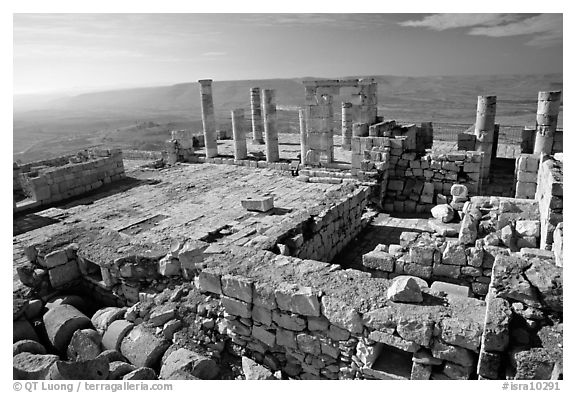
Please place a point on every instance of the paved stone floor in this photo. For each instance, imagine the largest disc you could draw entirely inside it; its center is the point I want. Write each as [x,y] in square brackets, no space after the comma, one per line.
[187,200]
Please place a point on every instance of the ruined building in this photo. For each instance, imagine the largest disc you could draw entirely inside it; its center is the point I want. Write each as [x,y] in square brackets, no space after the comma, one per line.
[364,255]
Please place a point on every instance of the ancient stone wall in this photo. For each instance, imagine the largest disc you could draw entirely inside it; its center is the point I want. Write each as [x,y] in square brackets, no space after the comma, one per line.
[526,175]
[549,194]
[34,166]
[53,184]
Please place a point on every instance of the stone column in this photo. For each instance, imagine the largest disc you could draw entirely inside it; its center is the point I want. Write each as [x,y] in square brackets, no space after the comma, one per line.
[270,131]
[303,136]
[484,130]
[208,119]
[546,120]
[240,150]
[257,125]
[346,126]
[327,127]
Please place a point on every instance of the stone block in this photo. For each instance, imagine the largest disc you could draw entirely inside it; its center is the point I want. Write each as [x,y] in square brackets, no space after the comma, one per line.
[262,315]
[61,322]
[341,314]
[185,364]
[527,228]
[236,307]
[378,260]
[286,338]
[288,321]
[84,345]
[454,254]
[394,341]
[27,366]
[451,289]
[64,274]
[237,287]
[404,289]
[263,296]
[318,323]
[414,269]
[142,347]
[267,337]
[489,364]
[453,354]
[209,281]
[308,344]
[55,258]
[496,325]
[297,299]
[259,204]
[420,372]
[450,271]
[418,329]
[460,332]
[422,255]
[443,212]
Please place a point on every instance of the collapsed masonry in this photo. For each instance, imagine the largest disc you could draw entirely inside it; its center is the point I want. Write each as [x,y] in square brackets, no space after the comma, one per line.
[478,296]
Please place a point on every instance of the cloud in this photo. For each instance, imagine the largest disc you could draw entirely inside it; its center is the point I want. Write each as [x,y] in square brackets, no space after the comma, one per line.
[545,29]
[451,21]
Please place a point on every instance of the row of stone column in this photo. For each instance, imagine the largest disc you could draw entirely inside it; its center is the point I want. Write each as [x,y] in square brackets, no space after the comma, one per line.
[263,117]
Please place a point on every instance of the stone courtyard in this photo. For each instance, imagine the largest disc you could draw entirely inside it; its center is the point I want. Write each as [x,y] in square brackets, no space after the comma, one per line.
[363,251]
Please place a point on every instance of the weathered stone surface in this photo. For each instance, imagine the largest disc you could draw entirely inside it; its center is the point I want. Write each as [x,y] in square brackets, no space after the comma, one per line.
[65,274]
[111,356]
[526,228]
[255,371]
[444,213]
[94,369]
[169,266]
[115,334]
[318,323]
[209,281]
[368,353]
[185,364]
[456,371]
[489,364]
[259,204]
[265,336]
[140,374]
[468,230]
[237,287]
[424,356]
[394,341]
[171,327]
[29,346]
[338,334]
[286,338]
[497,319]
[463,333]
[118,369]
[105,316]
[405,289]
[297,299]
[454,254]
[509,281]
[308,344]
[84,345]
[418,329]
[421,372]
[443,229]
[451,353]
[548,280]
[143,348]
[263,296]
[451,289]
[61,322]
[558,244]
[414,269]
[287,321]
[341,314]
[28,365]
[534,363]
[378,260]
[161,315]
[422,255]
[441,270]
[236,307]
[459,190]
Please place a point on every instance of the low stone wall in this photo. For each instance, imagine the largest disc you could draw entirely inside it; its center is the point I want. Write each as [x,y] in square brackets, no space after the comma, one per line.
[526,175]
[314,322]
[54,184]
[549,194]
[523,328]
[18,169]
[141,155]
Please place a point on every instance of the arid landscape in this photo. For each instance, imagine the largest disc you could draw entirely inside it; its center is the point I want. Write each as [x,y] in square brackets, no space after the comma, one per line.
[142,118]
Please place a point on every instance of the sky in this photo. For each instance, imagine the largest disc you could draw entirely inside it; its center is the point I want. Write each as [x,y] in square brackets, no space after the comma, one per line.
[68,52]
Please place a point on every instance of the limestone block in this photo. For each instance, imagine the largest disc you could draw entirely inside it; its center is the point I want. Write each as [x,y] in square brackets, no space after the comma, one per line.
[288,321]
[489,364]
[378,260]
[61,322]
[142,347]
[496,334]
[451,271]
[308,344]
[454,254]
[267,337]
[417,270]
[55,258]
[64,274]
[444,213]
[468,230]
[452,353]
[424,356]
[209,281]
[459,190]
[451,289]
[527,228]
[115,333]
[463,333]
[394,341]
[338,334]
[260,204]
[297,299]
[255,371]
[27,366]
[368,353]
[420,372]
[548,280]
[286,338]
[185,364]
[417,329]
[558,244]
[94,369]
[404,289]
[102,318]
[169,266]
[237,287]
[28,346]
[118,369]
[84,345]
[262,315]
[422,255]
[508,280]
[236,307]
[140,374]
[318,323]
[341,314]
